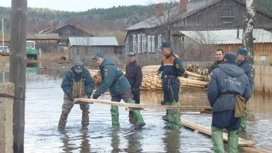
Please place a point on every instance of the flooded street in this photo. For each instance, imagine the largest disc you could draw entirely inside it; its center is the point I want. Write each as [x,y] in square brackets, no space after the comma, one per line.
[44,99]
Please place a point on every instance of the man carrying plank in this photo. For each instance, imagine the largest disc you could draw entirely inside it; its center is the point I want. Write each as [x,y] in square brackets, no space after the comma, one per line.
[119,87]
[228,82]
[170,69]
[77,83]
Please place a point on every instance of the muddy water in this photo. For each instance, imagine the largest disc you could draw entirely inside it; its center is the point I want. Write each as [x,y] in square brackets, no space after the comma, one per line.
[43,107]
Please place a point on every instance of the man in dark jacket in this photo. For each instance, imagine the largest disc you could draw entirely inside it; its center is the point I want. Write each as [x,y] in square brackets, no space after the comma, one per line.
[134,75]
[171,68]
[219,59]
[119,87]
[227,81]
[246,66]
[77,83]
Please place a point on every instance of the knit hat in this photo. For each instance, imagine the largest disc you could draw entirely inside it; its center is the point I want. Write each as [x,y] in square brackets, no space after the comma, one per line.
[230,57]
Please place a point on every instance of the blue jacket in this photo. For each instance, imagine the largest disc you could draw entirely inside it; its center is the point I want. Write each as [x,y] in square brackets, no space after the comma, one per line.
[246,66]
[70,76]
[227,80]
[171,65]
[112,78]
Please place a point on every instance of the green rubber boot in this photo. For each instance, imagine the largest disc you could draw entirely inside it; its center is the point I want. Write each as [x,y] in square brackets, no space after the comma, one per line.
[244,121]
[233,141]
[115,116]
[139,120]
[173,117]
[217,137]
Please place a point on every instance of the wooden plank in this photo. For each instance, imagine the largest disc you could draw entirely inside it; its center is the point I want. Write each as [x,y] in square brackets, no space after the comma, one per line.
[107,102]
[207,131]
[250,150]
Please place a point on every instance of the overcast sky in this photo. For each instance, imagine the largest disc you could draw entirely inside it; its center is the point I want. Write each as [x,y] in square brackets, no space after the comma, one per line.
[77,5]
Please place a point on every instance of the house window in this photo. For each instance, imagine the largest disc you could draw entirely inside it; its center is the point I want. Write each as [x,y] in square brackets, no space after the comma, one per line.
[139,45]
[143,43]
[159,41]
[134,43]
[227,16]
[153,44]
[149,43]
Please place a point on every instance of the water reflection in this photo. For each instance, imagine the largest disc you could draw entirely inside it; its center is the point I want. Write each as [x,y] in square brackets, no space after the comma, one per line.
[69,142]
[172,141]
[115,141]
[32,68]
[4,77]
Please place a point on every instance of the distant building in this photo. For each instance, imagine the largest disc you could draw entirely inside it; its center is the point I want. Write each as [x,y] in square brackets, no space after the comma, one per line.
[66,31]
[46,42]
[85,47]
[145,37]
[228,40]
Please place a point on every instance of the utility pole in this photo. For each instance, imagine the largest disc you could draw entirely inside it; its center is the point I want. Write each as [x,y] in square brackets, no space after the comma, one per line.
[18,70]
[3,36]
[247,39]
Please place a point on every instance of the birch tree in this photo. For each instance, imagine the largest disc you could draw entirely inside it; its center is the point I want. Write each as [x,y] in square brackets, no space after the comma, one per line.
[247,39]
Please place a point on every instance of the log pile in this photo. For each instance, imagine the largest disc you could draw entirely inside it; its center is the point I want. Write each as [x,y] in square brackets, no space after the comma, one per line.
[192,79]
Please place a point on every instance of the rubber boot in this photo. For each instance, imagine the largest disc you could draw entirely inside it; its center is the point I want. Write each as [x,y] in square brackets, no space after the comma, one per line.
[115,117]
[233,141]
[85,119]
[139,120]
[173,117]
[62,121]
[244,121]
[165,118]
[132,118]
[217,137]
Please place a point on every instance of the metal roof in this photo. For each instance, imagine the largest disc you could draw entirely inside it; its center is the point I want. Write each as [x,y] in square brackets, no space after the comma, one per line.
[173,13]
[93,41]
[227,36]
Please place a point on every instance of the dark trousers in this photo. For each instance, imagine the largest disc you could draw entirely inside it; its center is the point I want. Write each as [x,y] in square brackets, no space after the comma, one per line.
[170,89]
[136,96]
[126,96]
[226,119]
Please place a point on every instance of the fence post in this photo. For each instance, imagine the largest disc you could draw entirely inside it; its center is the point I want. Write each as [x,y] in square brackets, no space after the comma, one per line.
[6,117]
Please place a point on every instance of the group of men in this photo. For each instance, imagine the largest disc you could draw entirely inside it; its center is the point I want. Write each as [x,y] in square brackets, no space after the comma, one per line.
[78,83]
[231,75]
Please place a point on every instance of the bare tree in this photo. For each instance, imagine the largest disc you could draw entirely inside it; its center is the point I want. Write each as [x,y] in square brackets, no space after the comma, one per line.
[247,39]
[167,12]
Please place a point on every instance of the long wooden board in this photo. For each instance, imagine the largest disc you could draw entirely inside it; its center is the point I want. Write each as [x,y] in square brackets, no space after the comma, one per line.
[107,102]
[208,131]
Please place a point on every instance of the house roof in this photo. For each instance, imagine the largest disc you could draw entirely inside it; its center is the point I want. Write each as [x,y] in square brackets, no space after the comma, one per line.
[93,41]
[192,8]
[48,36]
[155,21]
[227,36]
[53,30]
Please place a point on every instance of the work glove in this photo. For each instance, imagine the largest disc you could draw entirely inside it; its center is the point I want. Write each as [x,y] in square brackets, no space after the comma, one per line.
[95,96]
[71,97]
[89,96]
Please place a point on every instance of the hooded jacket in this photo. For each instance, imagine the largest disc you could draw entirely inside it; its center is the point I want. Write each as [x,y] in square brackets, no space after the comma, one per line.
[112,79]
[227,81]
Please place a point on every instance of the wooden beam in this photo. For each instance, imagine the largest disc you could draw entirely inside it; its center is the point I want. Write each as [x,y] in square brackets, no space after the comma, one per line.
[17,70]
[207,131]
[107,102]
[250,150]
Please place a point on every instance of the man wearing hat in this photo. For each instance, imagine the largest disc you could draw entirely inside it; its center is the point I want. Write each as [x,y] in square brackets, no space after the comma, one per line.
[134,75]
[119,87]
[246,66]
[170,69]
[227,81]
[77,83]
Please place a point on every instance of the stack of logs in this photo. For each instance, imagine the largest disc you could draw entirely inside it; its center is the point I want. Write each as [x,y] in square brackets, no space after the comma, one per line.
[152,81]
[190,80]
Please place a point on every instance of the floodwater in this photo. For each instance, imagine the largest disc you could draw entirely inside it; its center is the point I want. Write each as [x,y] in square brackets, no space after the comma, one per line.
[44,99]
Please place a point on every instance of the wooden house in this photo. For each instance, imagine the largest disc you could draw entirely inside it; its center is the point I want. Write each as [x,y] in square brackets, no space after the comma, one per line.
[145,37]
[46,42]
